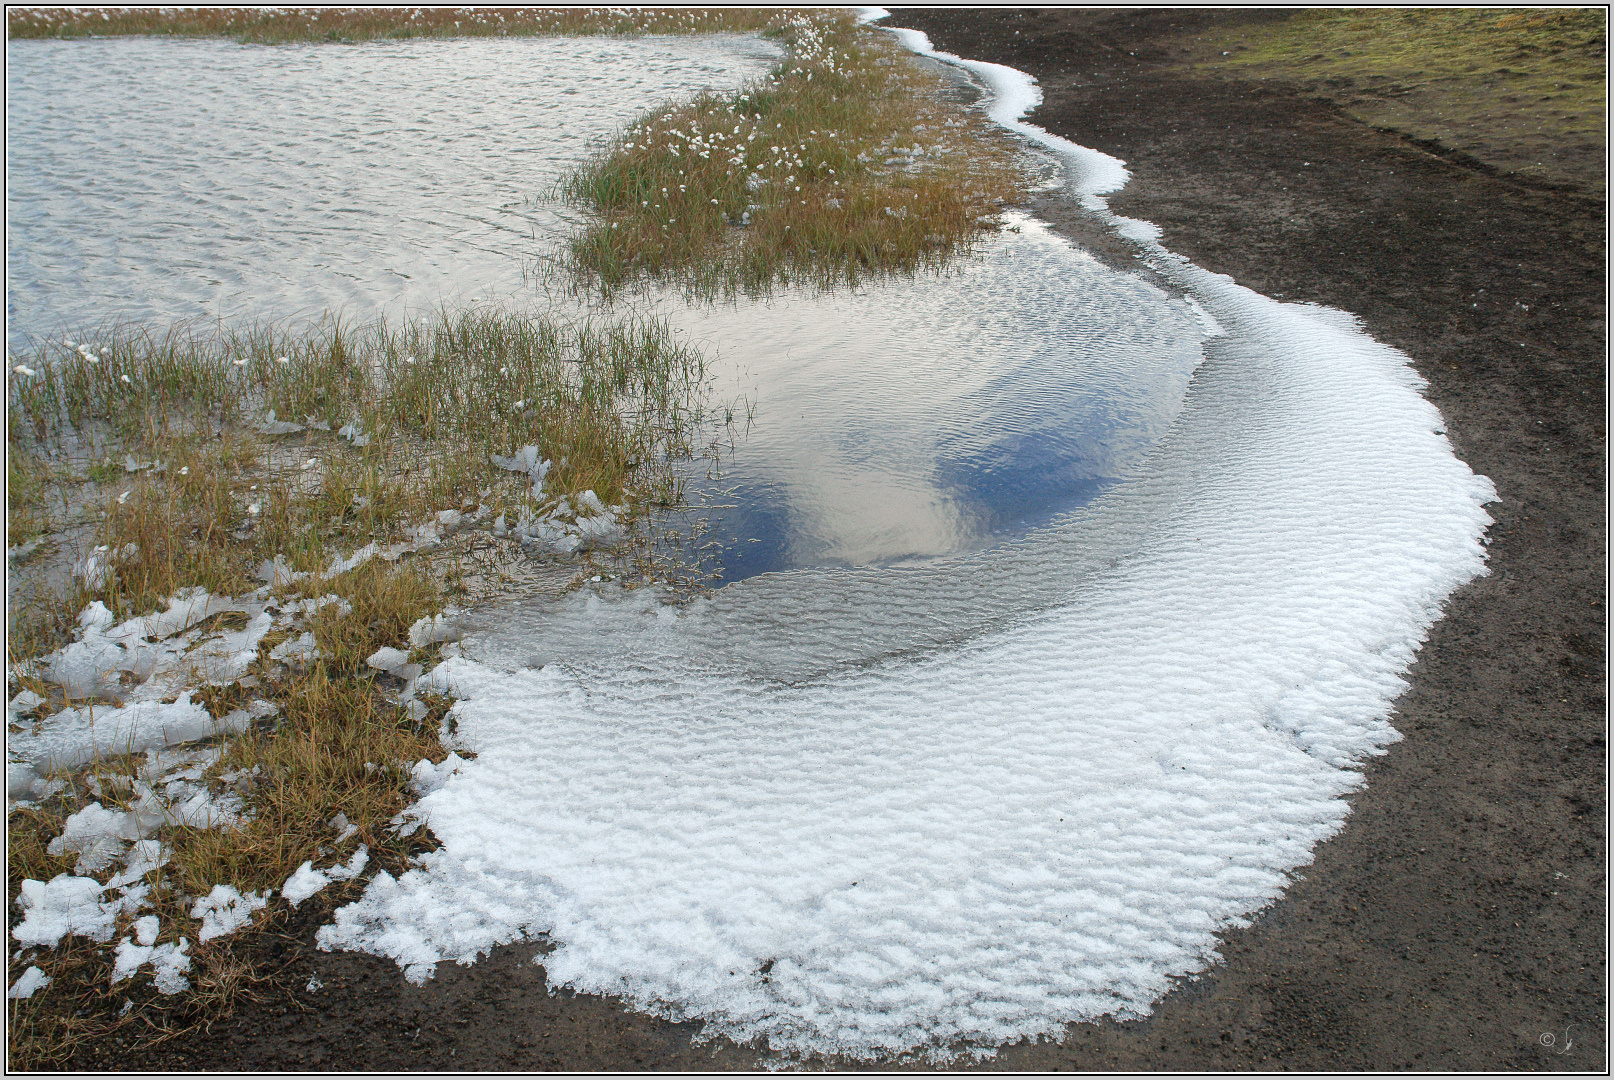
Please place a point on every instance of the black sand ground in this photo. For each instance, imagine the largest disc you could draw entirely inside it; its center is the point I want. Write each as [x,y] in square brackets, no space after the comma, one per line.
[1458,920]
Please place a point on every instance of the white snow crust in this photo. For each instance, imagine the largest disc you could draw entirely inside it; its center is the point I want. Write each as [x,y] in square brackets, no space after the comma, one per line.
[305,881]
[70,905]
[169,961]
[74,737]
[226,910]
[28,982]
[1010,791]
[946,807]
[1088,172]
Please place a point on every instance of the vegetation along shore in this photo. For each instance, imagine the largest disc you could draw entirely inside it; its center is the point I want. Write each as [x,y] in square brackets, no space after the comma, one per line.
[259,536]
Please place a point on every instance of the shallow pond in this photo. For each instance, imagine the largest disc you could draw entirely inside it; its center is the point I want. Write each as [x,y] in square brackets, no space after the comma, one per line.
[156,181]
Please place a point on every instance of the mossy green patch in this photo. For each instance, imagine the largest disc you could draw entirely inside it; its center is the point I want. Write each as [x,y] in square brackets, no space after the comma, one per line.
[1520,89]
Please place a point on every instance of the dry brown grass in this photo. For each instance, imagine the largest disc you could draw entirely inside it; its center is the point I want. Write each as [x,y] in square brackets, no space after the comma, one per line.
[341,745]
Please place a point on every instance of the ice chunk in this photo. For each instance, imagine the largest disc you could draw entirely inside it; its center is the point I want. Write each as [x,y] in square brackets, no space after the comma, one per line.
[388,659]
[307,881]
[224,658]
[144,857]
[301,649]
[29,982]
[20,778]
[96,834]
[526,460]
[357,559]
[195,807]
[25,702]
[277,573]
[353,867]
[225,910]
[74,737]
[302,884]
[271,426]
[64,905]
[354,433]
[434,628]
[343,827]
[169,960]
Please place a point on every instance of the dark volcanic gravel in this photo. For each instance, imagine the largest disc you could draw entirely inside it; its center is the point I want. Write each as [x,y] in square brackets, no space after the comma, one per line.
[1458,920]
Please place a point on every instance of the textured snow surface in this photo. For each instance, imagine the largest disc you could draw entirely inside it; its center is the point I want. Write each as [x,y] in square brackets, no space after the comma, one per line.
[872,811]
[69,905]
[74,737]
[226,910]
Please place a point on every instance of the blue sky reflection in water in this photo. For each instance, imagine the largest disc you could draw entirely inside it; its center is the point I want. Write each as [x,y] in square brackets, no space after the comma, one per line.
[922,418]
[153,181]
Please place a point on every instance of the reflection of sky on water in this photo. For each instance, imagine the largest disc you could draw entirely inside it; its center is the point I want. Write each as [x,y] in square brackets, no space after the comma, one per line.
[922,418]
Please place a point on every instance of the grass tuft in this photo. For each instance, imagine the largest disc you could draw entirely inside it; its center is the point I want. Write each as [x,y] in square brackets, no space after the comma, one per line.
[843,164]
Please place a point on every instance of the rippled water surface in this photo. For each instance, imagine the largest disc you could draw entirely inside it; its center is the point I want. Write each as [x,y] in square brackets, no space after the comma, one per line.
[158,180]
[151,179]
[920,418]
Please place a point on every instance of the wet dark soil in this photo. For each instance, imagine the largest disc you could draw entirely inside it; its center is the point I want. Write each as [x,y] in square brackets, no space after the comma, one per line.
[1458,920]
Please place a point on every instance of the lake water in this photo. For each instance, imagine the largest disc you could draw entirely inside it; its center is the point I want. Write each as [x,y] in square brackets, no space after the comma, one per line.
[153,181]
[161,180]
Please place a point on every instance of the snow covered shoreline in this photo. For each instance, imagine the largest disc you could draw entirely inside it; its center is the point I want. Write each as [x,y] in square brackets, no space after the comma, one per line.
[1038,822]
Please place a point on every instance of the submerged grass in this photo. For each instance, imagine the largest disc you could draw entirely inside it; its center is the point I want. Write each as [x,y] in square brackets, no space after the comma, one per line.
[400,420]
[274,26]
[175,457]
[844,163]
